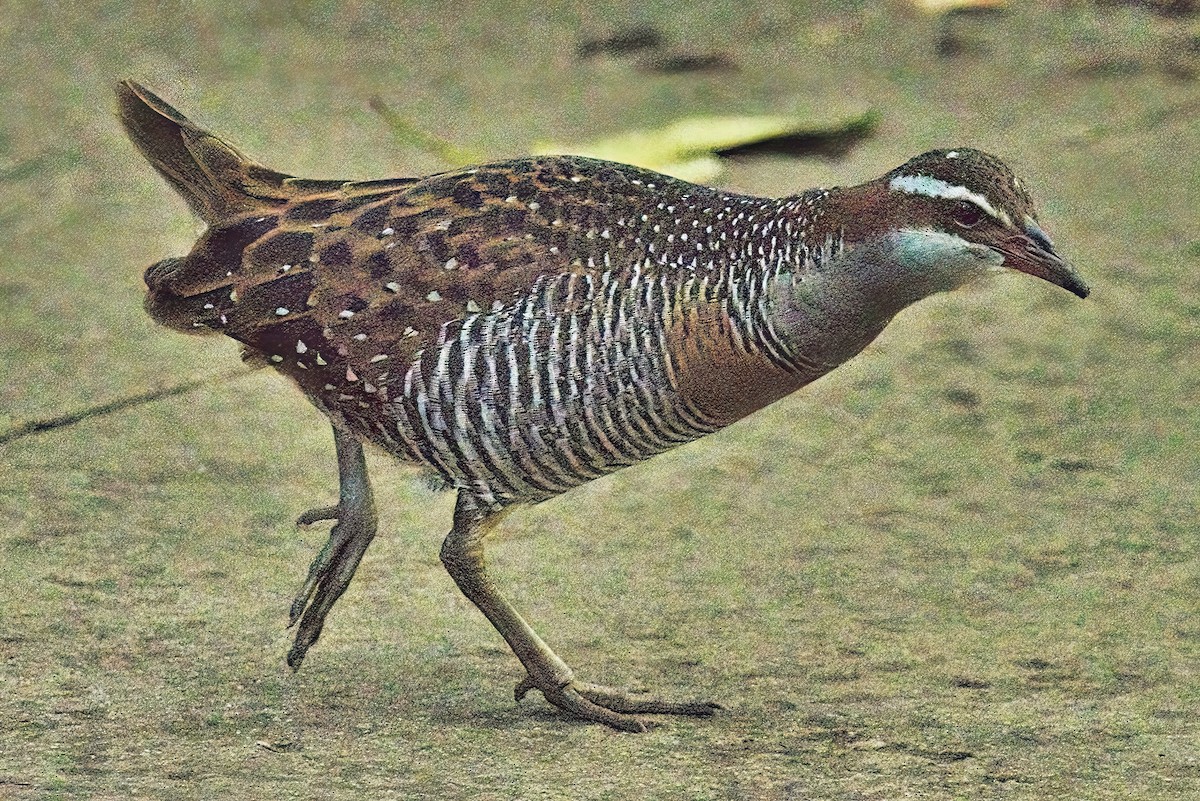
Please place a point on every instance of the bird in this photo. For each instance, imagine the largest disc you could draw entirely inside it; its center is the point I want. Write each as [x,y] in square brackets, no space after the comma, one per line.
[520,328]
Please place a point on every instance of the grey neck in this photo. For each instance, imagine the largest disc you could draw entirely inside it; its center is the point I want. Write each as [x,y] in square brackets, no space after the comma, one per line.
[831,311]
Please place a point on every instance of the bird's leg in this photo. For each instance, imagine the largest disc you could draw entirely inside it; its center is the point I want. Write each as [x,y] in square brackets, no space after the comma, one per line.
[334,566]
[462,554]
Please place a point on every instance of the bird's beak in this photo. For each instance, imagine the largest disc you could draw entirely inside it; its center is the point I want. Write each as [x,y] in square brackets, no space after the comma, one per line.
[1033,253]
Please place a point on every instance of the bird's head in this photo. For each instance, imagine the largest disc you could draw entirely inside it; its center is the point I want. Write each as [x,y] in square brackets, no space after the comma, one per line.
[956,215]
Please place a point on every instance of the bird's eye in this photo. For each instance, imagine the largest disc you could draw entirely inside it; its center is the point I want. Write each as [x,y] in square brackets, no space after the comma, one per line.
[967,214]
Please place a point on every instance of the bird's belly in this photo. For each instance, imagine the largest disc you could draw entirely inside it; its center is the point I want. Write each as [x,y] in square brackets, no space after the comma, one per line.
[520,423]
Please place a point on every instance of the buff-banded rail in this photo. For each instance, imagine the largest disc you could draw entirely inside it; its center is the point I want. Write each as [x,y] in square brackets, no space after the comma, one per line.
[521,328]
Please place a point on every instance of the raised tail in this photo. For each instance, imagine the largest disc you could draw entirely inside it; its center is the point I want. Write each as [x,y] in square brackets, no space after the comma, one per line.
[216,180]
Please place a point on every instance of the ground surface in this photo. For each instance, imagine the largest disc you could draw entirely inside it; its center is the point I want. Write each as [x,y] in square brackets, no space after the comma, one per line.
[964,566]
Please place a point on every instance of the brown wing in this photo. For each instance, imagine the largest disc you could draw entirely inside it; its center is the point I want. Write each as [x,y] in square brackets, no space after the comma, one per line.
[342,285]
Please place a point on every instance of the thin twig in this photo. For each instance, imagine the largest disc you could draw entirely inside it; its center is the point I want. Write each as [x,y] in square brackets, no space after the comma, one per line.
[120,404]
[413,136]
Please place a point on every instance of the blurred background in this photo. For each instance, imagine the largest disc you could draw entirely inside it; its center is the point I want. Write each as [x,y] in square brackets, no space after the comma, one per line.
[964,565]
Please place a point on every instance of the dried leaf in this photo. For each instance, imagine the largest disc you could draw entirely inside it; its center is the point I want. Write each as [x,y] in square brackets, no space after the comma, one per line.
[690,148]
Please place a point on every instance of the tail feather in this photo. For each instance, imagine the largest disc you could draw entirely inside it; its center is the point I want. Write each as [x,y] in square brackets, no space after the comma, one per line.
[218,284]
[216,180]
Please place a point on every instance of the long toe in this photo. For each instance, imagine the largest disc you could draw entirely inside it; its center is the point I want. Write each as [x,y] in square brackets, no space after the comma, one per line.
[333,569]
[320,564]
[614,707]
[639,704]
[568,699]
[318,514]
[326,559]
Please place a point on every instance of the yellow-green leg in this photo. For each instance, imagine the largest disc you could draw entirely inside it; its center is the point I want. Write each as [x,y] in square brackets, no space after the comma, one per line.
[462,554]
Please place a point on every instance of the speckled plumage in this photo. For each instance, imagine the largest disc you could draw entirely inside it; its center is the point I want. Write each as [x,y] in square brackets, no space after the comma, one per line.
[522,328]
[372,296]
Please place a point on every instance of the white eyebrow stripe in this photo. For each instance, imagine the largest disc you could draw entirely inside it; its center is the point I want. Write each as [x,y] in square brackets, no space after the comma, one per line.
[935,187]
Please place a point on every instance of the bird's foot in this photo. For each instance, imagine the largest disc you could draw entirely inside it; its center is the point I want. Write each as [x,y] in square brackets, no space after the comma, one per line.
[611,706]
[329,573]
[321,562]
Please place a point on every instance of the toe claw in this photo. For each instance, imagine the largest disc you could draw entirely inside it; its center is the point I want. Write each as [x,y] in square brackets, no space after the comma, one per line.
[295,657]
